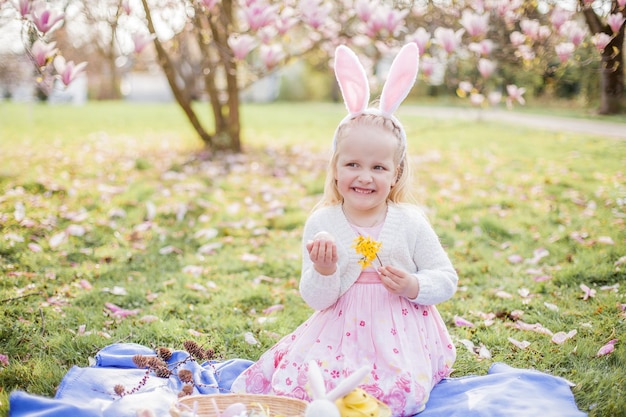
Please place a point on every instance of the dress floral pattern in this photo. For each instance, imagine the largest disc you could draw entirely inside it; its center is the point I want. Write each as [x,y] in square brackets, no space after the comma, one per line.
[406,344]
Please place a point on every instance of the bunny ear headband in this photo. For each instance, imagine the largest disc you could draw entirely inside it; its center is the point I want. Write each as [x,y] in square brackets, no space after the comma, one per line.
[355,87]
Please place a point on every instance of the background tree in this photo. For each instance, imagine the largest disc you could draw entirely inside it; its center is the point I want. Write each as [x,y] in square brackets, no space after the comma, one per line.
[215,48]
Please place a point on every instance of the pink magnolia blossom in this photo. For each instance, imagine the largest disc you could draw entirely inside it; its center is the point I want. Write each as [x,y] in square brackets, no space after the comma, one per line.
[615,21]
[394,19]
[608,348]
[24,7]
[271,55]
[141,40]
[564,50]
[486,67]
[427,66]
[475,24]
[530,28]
[544,32]
[285,21]
[126,6]
[621,3]
[559,17]
[574,32]
[43,52]
[259,14]
[600,41]
[482,48]
[45,18]
[267,34]
[364,9]
[515,93]
[315,12]
[375,24]
[448,39]
[241,45]
[517,38]
[421,37]
[589,293]
[68,71]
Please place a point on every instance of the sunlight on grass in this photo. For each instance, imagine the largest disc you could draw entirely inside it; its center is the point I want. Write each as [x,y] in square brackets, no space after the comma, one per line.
[114,202]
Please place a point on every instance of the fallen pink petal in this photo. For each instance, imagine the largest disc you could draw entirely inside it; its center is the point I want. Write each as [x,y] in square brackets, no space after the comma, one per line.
[607,349]
[537,328]
[521,345]
[561,337]
[461,322]
[515,259]
[589,293]
[277,307]
[4,359]
[119,311]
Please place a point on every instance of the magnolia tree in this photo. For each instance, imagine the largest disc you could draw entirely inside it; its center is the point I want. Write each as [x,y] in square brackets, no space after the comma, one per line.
[235,42]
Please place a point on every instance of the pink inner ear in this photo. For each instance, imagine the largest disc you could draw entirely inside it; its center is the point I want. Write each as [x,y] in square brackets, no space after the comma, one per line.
[352,80]
[401,78]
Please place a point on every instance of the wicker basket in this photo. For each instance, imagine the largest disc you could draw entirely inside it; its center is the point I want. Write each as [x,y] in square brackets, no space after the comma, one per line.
[278,406]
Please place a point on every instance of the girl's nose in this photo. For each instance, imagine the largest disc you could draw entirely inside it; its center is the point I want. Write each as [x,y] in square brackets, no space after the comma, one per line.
[365,176]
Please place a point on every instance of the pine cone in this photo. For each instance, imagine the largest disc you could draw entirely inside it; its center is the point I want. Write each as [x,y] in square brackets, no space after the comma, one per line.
[209,354]
[141,361]
[185,376]
[187,390]
[194,349]
[164,353]
[155,363]
[162,372]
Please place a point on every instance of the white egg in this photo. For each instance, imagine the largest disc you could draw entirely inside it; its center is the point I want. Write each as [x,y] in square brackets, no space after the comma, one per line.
[324,236]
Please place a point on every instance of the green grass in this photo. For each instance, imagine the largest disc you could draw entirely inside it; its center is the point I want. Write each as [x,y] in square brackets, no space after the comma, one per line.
[135,179]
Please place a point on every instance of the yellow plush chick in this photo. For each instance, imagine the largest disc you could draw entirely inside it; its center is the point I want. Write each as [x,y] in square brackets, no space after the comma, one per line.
[359,403]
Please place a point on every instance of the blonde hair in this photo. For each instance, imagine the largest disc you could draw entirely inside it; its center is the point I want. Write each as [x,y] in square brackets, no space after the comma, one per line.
[400,192]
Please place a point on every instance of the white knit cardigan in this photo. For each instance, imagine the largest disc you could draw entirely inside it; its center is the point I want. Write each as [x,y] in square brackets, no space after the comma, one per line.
[408,242]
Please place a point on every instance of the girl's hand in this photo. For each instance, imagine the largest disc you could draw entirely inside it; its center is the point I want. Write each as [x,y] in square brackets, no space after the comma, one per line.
[399,282]
[323,253]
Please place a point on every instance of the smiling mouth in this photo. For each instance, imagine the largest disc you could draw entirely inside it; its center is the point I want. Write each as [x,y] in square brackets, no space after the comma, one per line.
[362,190]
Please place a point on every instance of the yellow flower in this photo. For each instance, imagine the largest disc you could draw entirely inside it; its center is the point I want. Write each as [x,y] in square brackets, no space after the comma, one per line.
[368,248]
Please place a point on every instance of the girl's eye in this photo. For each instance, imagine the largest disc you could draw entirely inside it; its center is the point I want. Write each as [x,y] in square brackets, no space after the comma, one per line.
[352,164]
[379,167]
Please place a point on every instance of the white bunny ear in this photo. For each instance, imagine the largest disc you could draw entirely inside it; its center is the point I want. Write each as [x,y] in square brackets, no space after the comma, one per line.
[401,78]
[316,381]
[352,80]
[349,383]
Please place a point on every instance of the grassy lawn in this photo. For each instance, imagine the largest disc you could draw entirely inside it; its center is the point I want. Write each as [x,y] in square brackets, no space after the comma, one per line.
[116,203]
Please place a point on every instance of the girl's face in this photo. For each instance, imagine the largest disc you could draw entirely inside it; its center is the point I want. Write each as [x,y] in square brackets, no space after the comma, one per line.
[366,168]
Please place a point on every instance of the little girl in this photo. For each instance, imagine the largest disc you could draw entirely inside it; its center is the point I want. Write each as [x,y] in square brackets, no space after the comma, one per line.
[376,310]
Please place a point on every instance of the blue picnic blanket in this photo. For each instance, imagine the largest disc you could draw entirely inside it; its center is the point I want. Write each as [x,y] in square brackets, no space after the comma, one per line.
[89,392]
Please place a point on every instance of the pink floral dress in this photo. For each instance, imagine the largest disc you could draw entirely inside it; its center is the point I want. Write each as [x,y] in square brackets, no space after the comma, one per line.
[406,344]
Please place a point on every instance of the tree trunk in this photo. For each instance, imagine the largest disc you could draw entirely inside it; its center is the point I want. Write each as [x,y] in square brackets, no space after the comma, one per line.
[183,99]
[612,69]
[227,123]
[612,76]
